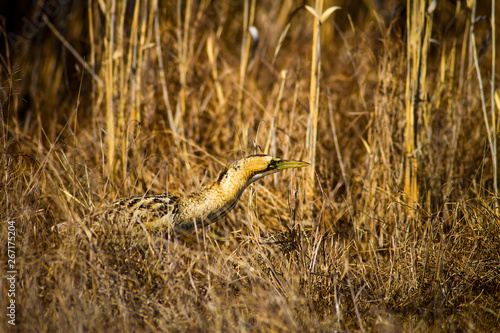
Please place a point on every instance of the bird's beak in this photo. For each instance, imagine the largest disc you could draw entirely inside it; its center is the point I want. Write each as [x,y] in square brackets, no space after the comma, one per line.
[290,164]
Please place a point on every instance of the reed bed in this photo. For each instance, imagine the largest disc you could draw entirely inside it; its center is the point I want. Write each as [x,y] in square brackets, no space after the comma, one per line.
[395,227]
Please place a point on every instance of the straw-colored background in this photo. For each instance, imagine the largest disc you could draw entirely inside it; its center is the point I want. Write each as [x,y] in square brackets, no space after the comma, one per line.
[394,228]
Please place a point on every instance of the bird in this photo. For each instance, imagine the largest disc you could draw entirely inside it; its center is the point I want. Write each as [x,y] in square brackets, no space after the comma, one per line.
[166,212]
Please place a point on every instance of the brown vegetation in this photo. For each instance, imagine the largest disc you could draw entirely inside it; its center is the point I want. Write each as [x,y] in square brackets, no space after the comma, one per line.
[396,230]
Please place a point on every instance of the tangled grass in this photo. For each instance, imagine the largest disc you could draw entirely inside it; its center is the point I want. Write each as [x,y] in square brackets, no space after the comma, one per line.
[164,94]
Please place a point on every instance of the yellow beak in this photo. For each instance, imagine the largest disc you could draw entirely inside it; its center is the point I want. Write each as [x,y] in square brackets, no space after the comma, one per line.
[290,164]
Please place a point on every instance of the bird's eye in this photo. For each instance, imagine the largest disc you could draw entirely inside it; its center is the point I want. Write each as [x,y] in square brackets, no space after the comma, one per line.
[273,164]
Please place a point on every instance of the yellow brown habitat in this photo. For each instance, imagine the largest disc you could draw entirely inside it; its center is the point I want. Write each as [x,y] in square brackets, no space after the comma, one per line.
[249,166]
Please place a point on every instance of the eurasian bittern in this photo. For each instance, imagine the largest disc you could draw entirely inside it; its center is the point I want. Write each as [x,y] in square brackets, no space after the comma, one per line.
[169,211]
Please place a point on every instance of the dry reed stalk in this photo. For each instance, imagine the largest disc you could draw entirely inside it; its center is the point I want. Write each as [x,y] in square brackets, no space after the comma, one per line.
[120,84]
[185,39]
[212,53]
[109,85]
[161,70]
[490,130]
[183,54]
[497,103]
[410,178]
[143,59]
[248,20]
[314,90]
[418,41]
[270,147]
[493,112]
[448,64]
[312,127]
[92,52]
[426,111]
[336,141]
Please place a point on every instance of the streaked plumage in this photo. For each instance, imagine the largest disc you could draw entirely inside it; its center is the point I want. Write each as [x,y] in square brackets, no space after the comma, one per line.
[169,211]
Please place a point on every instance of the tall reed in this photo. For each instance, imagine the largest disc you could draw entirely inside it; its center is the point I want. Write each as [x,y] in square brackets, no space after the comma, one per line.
[314,89]
[419,30]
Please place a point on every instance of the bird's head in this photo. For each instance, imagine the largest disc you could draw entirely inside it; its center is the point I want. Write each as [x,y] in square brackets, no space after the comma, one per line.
[255,167]
[217,199]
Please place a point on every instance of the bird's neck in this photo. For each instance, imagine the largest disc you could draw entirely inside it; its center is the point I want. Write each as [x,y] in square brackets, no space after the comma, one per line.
[233,183]
[213,201]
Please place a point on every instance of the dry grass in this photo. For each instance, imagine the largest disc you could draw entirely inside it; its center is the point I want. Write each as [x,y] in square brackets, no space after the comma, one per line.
[370,246]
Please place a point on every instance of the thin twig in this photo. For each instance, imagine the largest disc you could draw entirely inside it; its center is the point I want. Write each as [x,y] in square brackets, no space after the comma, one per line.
[72,50]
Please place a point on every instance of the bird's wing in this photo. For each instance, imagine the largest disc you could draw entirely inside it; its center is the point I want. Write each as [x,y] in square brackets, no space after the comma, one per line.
[150,210]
